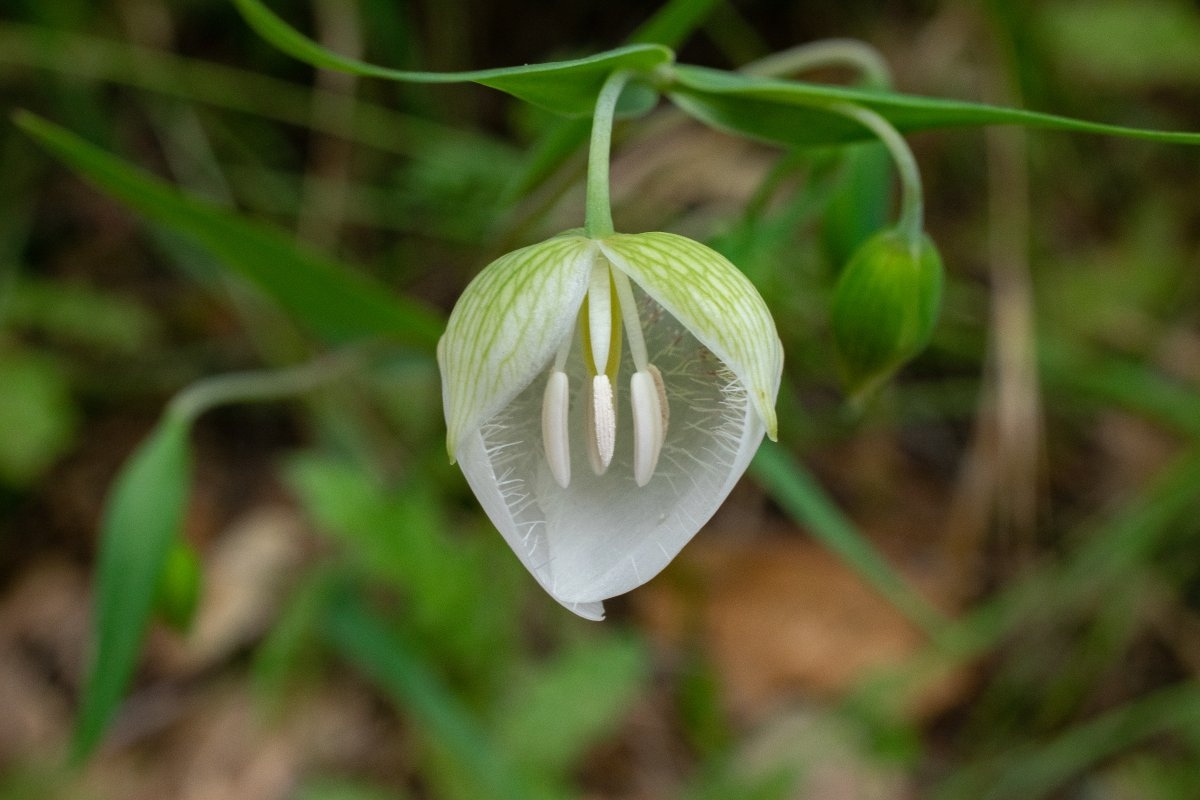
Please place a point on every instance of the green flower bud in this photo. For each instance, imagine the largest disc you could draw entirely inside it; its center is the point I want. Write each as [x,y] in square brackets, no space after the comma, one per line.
[178,592]
[884,308]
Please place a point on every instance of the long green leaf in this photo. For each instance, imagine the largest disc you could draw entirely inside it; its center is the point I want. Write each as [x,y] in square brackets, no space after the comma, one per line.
[804,500]
[1110,550]
[858,206]
[1038,768]
[92,58]
[565,87]
[143,516]
[1120,381]
[597,679]
[391,662]
[333,301]
[669,26]
[796,113]
[673,22]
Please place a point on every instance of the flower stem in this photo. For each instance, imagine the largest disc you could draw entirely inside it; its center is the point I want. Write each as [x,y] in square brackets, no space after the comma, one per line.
[259,386]
[852,53]
[912,204]
[598,218]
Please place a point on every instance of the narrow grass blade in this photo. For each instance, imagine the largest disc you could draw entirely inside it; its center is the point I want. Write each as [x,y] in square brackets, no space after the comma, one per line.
[1040,768]
[93,58]
[800,496]
[334,302]
[565,87]
[391,663]
[1111,550]
[670,25]
[860,205]
[597,679]
[796,113]
[142,518]
[1122,382]
[673,22]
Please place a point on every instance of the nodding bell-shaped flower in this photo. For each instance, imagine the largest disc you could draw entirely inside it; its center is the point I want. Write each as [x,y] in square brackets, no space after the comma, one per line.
[603,396]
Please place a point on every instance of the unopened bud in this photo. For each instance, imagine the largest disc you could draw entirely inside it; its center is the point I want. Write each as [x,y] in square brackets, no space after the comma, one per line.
[884,307]
[178,592]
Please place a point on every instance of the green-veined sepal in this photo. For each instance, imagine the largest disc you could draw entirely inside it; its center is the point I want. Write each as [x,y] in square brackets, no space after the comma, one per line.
[506,327]
[714,301]
[598,455]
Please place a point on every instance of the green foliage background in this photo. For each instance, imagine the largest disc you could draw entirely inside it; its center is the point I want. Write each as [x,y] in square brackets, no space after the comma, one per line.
[282,213]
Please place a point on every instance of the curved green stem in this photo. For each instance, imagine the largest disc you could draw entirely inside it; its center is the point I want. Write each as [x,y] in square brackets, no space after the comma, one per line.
[858,55]
[258,386]
[912,204]
[598,219]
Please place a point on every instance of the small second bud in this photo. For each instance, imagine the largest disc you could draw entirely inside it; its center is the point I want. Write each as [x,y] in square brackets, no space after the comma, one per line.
[885,307]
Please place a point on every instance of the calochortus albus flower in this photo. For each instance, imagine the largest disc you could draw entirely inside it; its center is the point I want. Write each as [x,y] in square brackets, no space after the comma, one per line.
[603,395]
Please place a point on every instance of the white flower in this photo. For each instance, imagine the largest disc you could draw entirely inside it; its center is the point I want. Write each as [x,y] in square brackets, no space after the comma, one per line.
[597,480]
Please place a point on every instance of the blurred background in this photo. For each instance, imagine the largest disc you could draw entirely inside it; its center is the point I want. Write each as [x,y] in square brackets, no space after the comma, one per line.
[360,630]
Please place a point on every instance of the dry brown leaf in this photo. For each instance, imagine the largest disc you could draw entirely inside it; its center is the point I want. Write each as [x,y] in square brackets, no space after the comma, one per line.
[779,617]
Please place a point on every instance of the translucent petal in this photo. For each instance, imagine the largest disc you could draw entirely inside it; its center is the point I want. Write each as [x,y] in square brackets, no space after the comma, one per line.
[604,535]
[506,327]
[504,508]
[713,300]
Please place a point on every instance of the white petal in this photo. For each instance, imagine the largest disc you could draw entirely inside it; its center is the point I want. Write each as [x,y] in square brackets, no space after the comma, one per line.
[506,327]
[714,301]
[478,467]
[604,535]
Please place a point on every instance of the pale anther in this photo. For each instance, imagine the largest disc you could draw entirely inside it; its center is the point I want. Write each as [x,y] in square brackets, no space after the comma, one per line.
[663,406]
[602,424]
[554,428]
[648,423]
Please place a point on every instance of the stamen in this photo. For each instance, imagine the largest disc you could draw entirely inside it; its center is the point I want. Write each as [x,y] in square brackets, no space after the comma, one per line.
[663,406]
[600,314]
[554,428]
[629,316]
[649,422]
[601,419]
[564,352]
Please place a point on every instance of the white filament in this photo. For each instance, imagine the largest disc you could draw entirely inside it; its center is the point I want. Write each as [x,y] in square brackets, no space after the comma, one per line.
[647,392]
[629,315]
[599,308]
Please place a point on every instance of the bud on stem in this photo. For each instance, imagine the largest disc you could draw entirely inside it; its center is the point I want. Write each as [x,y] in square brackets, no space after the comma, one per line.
[884,307]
